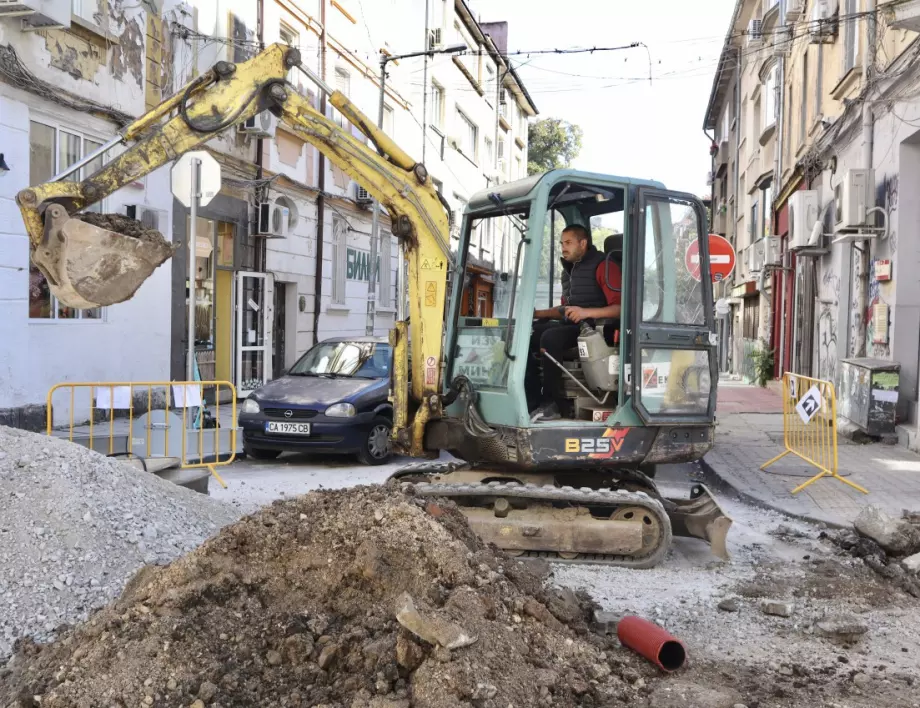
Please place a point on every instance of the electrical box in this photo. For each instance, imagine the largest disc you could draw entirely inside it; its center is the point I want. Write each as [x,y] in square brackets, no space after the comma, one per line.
[803,215]
[880,323]
[882,270]
[853,197]
[868,394]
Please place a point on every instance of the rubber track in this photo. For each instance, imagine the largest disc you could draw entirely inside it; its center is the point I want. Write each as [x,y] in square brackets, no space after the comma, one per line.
[584,496]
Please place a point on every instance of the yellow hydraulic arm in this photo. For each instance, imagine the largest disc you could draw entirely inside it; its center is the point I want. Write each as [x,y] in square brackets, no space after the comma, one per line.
[223,97]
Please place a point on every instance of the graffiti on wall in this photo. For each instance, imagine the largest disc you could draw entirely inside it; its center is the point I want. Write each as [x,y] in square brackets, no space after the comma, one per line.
[886,196]
[827,344]
[827,325]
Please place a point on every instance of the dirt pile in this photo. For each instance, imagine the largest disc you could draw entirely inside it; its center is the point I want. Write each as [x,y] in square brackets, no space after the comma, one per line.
[76,526]
[366,598]
[126,226]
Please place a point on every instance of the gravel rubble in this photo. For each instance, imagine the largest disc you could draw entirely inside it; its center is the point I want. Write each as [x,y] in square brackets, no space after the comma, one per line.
[75,526]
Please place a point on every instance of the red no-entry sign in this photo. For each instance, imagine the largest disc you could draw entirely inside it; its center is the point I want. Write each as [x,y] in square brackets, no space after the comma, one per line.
[721,258]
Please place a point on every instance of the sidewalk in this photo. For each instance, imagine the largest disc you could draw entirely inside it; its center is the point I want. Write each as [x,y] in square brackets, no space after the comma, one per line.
[749,432]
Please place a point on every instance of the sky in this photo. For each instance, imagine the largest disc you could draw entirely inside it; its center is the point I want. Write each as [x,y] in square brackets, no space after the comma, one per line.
[631,127]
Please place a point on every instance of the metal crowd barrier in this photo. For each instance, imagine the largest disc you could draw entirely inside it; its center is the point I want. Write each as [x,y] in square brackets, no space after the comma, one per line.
[195,438]
[810,427]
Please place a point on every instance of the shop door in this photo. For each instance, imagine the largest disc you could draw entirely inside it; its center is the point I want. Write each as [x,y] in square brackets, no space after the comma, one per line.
[254,320]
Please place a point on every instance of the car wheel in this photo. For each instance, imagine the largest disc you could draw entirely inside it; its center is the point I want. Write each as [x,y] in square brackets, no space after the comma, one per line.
[377,448]
[258,453]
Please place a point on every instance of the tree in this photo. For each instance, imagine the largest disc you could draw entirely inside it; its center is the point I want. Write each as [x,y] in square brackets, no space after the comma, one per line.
[552,143]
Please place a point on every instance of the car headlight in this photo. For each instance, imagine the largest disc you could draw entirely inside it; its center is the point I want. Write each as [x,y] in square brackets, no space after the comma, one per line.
[341,410]
[250,406]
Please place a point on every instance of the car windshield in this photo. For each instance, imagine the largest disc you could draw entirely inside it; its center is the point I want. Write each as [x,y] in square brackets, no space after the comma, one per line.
[362,360]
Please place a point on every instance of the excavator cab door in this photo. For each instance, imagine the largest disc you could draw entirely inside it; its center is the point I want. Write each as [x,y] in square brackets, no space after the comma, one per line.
[673,342]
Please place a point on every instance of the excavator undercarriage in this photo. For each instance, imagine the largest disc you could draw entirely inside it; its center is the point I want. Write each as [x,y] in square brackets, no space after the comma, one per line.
[626,523]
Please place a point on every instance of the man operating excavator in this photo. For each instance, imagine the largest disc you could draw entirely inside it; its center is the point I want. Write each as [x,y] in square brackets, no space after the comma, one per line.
[590,291]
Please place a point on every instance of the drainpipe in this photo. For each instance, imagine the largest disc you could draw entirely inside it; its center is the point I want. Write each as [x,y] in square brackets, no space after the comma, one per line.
[867,147]
[262,248]
[424,105]
[777,185]
[321,186]
[737,175]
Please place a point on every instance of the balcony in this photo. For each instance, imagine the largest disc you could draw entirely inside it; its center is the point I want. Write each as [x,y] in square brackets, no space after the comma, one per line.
[902,15]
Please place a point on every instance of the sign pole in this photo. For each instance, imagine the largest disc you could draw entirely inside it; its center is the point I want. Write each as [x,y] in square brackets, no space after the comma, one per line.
[193,266]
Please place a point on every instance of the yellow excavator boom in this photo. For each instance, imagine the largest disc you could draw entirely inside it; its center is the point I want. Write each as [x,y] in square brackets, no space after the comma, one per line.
[87,265]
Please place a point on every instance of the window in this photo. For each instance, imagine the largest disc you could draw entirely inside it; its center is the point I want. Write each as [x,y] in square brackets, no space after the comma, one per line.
[518,168]
[84,9]
[504,103]
[339,259]
[437,14]
[766,199]
[290,37]
[803,103]
[490,83]
[751,324]
[343,84]
[385,298]
[754,225]
[725,130]
[437,106]
[52,149]
[490,153]
[388,124]
[768,99]
[468,135]
[850,36]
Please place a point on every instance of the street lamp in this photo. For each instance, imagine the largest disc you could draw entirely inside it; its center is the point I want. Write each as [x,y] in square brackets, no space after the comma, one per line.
[375,226]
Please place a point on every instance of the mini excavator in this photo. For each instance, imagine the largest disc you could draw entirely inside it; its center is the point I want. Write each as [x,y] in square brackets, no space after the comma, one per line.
[642,389]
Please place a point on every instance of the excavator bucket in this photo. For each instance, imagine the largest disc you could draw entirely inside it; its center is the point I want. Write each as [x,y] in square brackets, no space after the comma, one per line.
[700,516]
[91,260]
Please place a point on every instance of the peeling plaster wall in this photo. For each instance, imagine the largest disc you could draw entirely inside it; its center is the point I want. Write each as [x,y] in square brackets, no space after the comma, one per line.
[101,56]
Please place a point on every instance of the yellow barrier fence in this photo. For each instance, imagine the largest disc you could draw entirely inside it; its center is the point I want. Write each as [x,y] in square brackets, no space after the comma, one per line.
[810,427]
[201,433]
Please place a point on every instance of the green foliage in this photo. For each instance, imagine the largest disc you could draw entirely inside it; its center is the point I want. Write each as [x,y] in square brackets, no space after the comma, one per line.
[763,364]
[552,143]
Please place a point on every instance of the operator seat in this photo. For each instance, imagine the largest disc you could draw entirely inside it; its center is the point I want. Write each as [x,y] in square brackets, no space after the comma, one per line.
[613,248]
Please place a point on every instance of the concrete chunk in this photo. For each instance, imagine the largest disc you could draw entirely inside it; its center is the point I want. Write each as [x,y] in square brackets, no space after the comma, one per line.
[780,608]
[912,563]
[895,536]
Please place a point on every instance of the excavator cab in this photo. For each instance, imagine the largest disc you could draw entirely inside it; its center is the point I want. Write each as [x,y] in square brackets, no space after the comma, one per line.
[640,388]
[651,369]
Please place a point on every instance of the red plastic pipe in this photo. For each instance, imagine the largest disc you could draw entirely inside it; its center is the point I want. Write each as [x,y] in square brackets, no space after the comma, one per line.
[652,642]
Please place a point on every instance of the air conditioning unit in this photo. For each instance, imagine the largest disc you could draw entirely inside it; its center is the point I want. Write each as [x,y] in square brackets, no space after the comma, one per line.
[710,178]
[434,38]
[454,220]
[273,220]
[771,252]
[261,125]
[150,218]
[794,9]
[38,14]
[755,254]
[853,196]
[824,20]
[803,214]
[755,33]
[362,196]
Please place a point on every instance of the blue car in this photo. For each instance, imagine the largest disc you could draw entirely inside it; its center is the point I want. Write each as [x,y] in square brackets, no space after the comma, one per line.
[333,400]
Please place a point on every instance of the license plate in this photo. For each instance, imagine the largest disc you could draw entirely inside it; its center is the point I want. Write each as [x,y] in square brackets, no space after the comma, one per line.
[287,428]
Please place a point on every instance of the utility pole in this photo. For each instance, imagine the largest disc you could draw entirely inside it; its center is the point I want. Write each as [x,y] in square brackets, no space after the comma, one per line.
[193,268]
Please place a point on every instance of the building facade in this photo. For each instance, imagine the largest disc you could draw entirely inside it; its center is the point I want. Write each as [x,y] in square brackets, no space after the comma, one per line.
[283,251]
[847,104]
